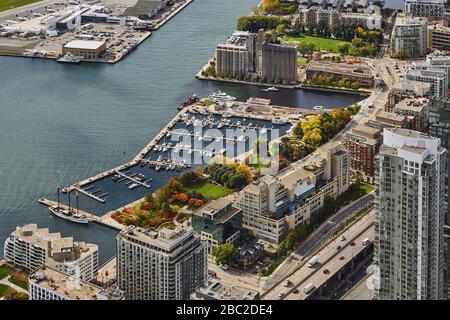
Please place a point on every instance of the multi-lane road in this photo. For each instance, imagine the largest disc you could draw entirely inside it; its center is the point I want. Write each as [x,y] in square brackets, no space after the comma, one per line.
[330,258]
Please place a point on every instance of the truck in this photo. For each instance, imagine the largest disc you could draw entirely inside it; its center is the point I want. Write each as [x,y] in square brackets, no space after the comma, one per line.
[313,261]
[309,288]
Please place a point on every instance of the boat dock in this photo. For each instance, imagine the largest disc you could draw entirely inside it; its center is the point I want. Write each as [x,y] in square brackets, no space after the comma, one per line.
[105,220]
[92,194]
[132,179]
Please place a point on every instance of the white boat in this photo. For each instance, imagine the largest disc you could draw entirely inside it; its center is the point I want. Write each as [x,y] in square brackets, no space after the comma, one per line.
[68,215]
[133,185]
[221,96]
[278,120]
[272,89]
[318,108]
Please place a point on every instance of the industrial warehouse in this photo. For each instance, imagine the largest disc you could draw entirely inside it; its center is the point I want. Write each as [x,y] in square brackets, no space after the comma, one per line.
[74,31]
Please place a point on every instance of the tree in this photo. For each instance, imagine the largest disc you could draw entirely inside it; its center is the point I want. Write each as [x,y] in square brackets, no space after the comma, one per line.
[12,294]
[225,253]
[306,48]
[343,48]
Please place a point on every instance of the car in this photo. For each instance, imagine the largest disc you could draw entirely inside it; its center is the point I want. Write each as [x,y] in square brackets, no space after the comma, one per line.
[338,247]
[281,294]
[224,267]
[326,271]
[325,231]
[287,283]
[341,258]
[295,291]
[353,243]
[343,238]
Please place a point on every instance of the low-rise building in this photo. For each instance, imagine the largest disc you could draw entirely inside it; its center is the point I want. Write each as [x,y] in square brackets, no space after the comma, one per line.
[384,119]
[49,284]
[360,73]
[437,78]
[370,21]
[416,111]
[218,222]
[216,290]
[86,49]
[31,248]
[362,144]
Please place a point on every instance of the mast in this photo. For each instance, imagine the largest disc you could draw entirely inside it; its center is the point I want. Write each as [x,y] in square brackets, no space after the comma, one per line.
[57,193]
[76,198]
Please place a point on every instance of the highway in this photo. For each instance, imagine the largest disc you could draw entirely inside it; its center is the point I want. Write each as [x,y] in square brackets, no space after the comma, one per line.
[328,259]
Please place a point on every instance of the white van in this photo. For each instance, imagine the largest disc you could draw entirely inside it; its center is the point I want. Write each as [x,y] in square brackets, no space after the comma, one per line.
[366,241]
[309,288]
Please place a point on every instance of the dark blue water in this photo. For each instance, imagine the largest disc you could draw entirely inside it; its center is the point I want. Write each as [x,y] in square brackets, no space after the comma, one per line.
[63,123]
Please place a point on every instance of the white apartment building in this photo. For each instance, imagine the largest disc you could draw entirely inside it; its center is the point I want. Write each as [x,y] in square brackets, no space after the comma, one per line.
[274,204]
[426,8]
[164,265]
[409,35]
[437,78]
[31,248]
[49,284]
[371,21]
[409,226]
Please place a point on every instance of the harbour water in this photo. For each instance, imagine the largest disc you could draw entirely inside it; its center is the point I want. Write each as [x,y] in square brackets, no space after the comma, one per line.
[62,123]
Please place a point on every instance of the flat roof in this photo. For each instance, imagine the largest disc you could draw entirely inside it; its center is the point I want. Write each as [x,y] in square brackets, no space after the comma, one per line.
[84,44]
[359,69]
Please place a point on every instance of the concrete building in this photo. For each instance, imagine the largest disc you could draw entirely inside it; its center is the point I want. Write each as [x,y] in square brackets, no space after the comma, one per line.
[371,21]
[410,88]
[409,35]
[409,226]
[438,37]
[272,205]
[49,284]
[439,118]
[314,16]
[278,63]
[426,8]
[362,144]
[163,265]
[416,111]
[360,73]
[31,248]
[216,290]
[250,56]
[86,49]
[237,56]
[218,222]
[437,78]
[385,119]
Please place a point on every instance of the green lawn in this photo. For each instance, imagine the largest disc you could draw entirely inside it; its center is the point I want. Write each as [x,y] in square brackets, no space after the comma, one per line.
[209,190]
[3,288]
[10,4]
[4,272]
[18,283]
[329,45]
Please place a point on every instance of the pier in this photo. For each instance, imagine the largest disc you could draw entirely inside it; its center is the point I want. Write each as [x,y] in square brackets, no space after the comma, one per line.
[91,194]
[105,220]
[132,179]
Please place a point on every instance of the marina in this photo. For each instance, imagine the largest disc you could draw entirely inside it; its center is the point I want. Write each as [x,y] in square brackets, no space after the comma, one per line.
[183,138]
[76,128]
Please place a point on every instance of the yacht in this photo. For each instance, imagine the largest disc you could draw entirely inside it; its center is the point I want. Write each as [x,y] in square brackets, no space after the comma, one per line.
[318,108]
[68,214]
[271,89]
[221,96]
[278,120]
[133,186]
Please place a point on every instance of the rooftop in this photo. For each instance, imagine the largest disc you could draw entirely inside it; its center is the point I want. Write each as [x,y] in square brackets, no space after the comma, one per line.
[360,69]
[64,285]
[223,291]
[84,44]
[412,104]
